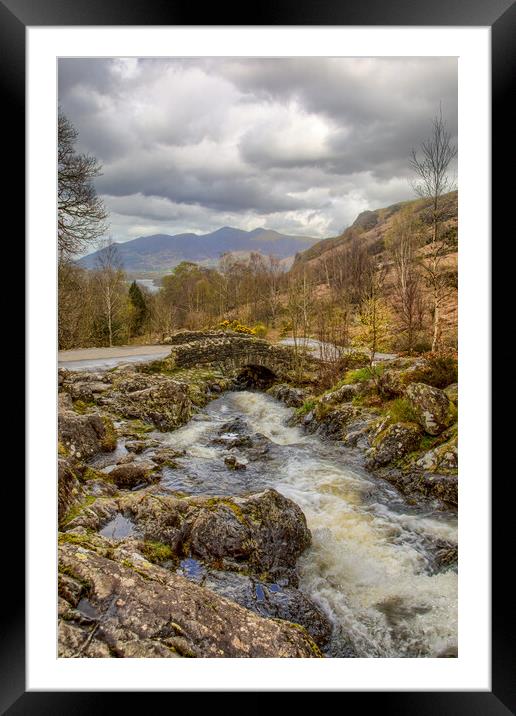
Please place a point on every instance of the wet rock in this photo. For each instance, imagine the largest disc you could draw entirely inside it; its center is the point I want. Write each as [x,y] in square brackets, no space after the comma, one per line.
[132,475]
[85,435]
[433,409]
[292,397]
[414,481]
[137,446]
[333,422]
[262,534]
[146,611]
[272,601]
[166,456]
[234,464]
[393,443]
[69,489]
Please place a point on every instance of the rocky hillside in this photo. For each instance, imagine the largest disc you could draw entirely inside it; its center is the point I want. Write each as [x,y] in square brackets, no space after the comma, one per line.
[371,226]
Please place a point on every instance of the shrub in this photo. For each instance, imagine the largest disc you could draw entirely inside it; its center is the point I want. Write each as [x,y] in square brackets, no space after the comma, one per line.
[362,375]
[260,330]
[236,326]
[440,370]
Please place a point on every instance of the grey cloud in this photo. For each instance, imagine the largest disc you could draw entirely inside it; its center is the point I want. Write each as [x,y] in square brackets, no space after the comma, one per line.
[297,144]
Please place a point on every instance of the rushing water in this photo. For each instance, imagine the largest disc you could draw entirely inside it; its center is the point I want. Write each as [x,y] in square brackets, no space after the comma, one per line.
[371,565]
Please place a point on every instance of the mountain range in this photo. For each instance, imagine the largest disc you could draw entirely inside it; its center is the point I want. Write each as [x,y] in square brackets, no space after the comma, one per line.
[161,252]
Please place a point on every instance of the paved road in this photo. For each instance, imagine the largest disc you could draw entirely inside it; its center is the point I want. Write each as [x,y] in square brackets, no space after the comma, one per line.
[102,358]
[329,350]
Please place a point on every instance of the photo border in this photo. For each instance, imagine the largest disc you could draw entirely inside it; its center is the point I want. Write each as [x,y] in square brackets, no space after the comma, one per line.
[500,15]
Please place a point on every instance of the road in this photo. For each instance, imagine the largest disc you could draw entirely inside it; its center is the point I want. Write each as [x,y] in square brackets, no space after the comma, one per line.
[103,358]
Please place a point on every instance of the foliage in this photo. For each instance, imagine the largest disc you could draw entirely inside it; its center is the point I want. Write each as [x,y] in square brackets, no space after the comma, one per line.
[307,407]
[362,375]
[238,327]
[139,306]
[439,370]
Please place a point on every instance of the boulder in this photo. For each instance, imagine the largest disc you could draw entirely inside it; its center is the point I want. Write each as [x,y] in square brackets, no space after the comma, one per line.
[344,394]
[132,474]
[292,397]
[393,443]
[124,606]
[85,435]
[262,533]
[442,459]
[433,409]
[151,398]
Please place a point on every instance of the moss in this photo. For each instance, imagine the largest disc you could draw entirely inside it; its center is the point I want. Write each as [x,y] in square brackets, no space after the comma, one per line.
[141,428]
[362,375]
[213,502]
[307,407]
[109,440]
[83,406]
[76,509]
[401,411]
[61,450]
[156,552]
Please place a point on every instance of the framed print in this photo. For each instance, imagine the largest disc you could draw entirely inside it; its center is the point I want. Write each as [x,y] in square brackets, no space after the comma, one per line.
[254,292]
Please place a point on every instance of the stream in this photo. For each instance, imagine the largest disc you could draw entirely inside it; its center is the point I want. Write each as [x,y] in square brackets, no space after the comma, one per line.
[371,567]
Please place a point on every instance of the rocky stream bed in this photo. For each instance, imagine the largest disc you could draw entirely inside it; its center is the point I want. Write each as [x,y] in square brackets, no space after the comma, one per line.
[201,518]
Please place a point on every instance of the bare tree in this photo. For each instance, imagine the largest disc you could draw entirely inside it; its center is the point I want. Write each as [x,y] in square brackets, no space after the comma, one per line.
[433,181]
[110,279]
[402,242]
[81,217]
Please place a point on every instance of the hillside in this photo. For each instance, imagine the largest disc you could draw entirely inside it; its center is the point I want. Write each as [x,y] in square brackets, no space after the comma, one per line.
[371,226]
[160,252]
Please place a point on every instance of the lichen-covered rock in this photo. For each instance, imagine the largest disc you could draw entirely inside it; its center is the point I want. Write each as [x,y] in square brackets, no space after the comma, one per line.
[393,443]
[344,394]
[452,391]
[263,533]
[417,481]
[85,435]
[292,397]
[132,608]
[69,489]
[433,409]
[132,474]
[151,398]
[442,459]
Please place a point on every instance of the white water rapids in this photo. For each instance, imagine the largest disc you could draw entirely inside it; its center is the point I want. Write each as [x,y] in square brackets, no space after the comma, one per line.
[370,564]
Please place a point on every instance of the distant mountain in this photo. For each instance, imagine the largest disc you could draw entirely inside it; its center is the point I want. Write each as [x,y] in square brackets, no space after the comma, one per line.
[160,252]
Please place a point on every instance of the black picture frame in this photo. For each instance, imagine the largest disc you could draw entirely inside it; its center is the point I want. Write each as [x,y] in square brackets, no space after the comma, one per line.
[500,15]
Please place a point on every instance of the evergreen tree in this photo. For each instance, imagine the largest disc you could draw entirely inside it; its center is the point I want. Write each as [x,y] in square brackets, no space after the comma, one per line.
[139,305]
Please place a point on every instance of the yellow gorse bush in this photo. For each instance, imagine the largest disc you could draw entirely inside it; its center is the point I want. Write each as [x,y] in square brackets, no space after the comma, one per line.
[237,327]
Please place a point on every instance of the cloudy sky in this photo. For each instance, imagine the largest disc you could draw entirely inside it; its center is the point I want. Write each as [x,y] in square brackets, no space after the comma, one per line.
[298,145]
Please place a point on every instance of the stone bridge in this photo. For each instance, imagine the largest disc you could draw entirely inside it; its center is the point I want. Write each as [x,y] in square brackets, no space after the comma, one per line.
[229,352]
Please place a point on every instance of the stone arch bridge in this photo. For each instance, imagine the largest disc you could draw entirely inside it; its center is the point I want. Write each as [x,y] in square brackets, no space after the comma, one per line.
[229,352]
